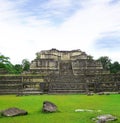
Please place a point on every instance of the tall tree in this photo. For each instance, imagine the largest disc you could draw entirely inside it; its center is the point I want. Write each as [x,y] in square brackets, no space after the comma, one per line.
[4,59]
[26,65]
[106,62]
[6,65]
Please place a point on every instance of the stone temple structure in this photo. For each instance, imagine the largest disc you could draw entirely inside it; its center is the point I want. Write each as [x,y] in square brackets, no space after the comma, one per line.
[73,62]
[62,72]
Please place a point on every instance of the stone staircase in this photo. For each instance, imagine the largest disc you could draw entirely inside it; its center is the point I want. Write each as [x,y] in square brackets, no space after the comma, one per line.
[67,84]
[30,91]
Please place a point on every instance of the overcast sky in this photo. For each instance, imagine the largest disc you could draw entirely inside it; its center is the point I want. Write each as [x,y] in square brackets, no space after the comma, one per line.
[29,26]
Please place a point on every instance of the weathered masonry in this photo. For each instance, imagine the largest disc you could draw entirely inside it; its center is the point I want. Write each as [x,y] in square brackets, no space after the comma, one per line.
[59,84]
[57,71]
[73,62]
[20,84]
[84,83]
[73,72]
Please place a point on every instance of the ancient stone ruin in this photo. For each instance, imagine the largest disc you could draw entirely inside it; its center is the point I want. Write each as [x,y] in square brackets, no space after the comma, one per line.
[73,62]
[57,71]
[66,70]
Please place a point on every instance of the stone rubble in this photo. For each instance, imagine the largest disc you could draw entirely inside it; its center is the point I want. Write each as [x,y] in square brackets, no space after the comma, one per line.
[104,118]
[49,107]
[13,112]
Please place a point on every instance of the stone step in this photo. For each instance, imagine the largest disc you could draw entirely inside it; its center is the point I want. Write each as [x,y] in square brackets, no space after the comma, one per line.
[31,92]
[67,91]
[8,92]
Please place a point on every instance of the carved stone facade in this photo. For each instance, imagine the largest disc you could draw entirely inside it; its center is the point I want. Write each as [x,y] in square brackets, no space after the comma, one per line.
[73,62]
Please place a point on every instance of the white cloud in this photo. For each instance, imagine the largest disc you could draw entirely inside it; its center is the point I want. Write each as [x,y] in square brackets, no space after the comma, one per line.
[23,34]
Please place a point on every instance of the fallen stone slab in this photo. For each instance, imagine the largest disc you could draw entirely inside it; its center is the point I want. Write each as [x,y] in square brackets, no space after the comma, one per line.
[104,118]
[13,112]
[87,110]
[83,110]
[49,107]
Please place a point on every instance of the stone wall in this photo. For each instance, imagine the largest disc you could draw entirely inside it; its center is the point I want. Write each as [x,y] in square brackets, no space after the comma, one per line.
[19,84]
[60,84]
[9,84]
[61,55]
[84,83]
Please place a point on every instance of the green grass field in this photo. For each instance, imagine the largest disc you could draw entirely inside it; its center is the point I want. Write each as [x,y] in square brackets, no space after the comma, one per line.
[67,104]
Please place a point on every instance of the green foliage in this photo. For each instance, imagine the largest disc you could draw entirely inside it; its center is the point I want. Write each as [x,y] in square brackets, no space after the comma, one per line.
[115,67]
[6,64]
[3,59]
[18,68]
[107,65]
[67,104]
[8,67]
[106,62]
[26,65]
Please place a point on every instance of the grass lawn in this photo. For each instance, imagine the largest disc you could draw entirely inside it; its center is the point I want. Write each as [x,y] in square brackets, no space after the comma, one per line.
[67,104]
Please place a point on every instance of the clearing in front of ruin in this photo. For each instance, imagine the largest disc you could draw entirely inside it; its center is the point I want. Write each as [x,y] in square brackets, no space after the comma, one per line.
[67,104]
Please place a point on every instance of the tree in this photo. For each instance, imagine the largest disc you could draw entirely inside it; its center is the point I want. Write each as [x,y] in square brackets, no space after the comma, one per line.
[26,65]
[6,65]
[106,62]
[115,67]
[4,60]
[18,68]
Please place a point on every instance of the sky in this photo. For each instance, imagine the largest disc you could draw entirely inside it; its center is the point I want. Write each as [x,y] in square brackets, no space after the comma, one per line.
[29,26]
